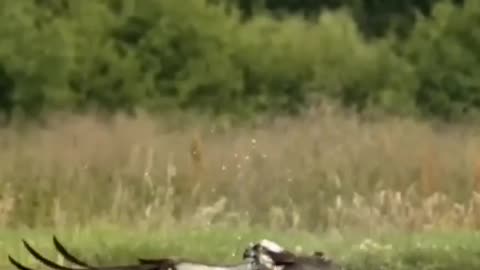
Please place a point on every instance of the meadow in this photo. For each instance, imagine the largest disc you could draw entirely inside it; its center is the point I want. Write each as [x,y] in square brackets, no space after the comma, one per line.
[103,245]
[125,187]
[375,192]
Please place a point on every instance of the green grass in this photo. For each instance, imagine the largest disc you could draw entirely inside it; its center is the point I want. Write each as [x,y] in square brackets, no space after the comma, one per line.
[113,245]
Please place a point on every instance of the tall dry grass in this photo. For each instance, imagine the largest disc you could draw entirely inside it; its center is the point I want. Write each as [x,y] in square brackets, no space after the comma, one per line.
[324,170]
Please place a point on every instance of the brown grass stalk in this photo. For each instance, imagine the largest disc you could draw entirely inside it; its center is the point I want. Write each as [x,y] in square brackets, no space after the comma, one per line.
[291,172]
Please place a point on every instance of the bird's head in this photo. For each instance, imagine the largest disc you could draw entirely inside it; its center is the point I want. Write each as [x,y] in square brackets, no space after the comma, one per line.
[268,254]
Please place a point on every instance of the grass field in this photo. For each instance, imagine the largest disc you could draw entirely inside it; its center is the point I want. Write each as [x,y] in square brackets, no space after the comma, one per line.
[106,245]
[326,180]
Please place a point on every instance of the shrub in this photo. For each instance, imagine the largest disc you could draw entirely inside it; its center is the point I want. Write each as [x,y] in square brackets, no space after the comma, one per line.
[444,53]
[164,55]
[35,58]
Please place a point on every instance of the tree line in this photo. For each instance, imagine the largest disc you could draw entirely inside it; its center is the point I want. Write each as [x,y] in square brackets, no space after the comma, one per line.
[242,57]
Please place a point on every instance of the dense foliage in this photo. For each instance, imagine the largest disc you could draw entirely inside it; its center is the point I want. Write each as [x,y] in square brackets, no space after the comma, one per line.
[207,55]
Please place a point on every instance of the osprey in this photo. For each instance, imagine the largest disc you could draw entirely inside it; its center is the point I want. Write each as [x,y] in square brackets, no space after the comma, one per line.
[143,264]
[273,256]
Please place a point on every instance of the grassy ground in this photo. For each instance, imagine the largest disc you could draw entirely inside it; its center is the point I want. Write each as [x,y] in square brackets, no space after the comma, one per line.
[110,245]
[204,189]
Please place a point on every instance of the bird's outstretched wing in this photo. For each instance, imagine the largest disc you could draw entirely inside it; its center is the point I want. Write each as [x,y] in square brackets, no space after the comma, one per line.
[144,264]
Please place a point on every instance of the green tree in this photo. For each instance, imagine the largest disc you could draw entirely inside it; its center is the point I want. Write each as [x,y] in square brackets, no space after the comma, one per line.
[35,58]
[444,52]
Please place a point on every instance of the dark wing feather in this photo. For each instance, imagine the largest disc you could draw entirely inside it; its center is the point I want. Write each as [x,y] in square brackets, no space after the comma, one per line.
[44,260]
[318,253]
[282,258]
[17,264]
[291,261]
[317,261]
[165,264]
[162,261]
[66,254]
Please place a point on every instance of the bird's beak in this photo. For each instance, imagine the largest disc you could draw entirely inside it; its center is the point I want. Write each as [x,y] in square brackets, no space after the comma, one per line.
[249,253]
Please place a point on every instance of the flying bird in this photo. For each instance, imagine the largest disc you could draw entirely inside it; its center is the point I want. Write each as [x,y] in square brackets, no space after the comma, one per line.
[142,264]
